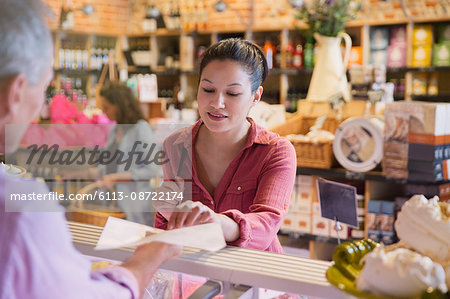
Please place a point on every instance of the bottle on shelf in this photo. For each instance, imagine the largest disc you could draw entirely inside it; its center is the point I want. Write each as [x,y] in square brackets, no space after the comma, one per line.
[289,53]
[61,58]
[308,53]
[269,53]
[85,58]
[78,57]
[297,60]
[278,56]
[69,20]
[149,23]
[68,57]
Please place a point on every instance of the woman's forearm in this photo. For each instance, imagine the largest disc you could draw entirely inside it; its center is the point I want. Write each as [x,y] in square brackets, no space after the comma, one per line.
[230,228]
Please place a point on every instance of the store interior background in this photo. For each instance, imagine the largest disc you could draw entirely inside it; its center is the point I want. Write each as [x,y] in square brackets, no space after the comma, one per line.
[116,26]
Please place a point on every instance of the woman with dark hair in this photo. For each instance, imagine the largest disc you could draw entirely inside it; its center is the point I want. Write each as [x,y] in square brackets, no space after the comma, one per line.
[131,134]
[242,175]
[119,104]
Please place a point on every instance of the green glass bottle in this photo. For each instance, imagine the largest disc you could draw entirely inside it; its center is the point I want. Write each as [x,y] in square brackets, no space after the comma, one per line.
[308,53]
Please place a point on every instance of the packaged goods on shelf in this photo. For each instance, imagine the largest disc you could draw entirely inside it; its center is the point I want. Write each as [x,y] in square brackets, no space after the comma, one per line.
[421,56]
[430,171]
[433,88]
[444,33]
[422,35]
[419,84]
[441,54]
[373,208]
[396,131]
[380,221]
[379,56]
[379,38]
[428,190]
[356,56]
[397,35]
[428,126]
[303,222]
[428,147]
[396,56]
[320,226]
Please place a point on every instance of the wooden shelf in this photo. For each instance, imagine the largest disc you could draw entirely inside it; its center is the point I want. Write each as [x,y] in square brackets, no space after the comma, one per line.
[344,174]
[430,20]
[444,97]
[79,72]
[418,69]
[77,32]
[311,237]
[292,72]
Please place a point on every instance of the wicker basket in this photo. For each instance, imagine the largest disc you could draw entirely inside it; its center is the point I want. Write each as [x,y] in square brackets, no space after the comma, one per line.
[314,155]
[92,213]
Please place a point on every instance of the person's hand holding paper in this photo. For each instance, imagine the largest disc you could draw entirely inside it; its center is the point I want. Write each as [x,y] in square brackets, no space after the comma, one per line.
[119,233]
[166,207]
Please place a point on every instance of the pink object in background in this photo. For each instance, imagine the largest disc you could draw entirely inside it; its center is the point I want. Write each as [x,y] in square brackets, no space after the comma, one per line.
[69,127]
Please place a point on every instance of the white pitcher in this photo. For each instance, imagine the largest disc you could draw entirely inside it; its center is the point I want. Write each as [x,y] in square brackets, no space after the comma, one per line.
[329,75]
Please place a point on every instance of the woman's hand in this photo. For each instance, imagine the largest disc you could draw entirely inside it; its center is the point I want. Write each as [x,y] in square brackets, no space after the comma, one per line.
[191,213]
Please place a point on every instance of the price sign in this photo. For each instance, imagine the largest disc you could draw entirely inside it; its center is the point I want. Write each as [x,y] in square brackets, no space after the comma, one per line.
[337,201]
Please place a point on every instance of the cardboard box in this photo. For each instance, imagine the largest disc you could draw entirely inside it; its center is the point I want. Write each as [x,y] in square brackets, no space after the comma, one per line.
[305,180]
[400,163]
[433,167]
[426,152]
[303,206]
[289,221]
[422,35]
[426,177]
[429,119]
[320,226]
[344,231]
[428,190]
[396,55]
[421,56]
[316,208]
[303,223]
[441,54]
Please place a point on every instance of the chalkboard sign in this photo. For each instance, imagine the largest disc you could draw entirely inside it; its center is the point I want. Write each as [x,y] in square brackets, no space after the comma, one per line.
[337,201]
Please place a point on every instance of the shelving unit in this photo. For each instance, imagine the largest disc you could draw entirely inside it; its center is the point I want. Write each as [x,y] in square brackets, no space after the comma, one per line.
[375,185]
[66,45]
[282,79]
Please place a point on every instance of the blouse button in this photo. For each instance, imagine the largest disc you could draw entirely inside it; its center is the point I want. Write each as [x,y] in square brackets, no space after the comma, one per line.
[239,188]
[212,202]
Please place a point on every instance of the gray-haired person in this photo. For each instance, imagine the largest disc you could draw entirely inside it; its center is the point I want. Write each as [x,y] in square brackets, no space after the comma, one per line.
[37,258]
